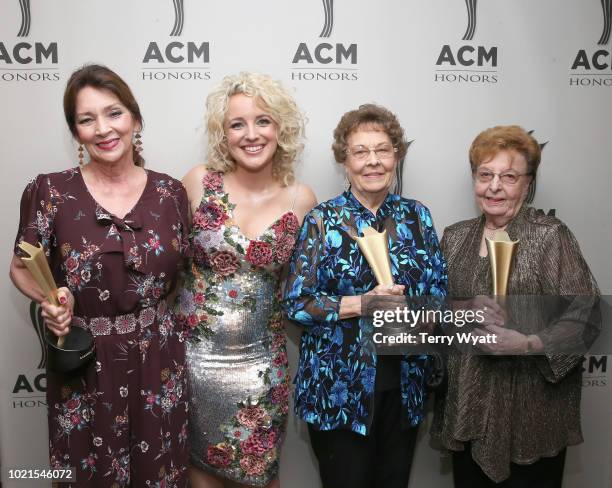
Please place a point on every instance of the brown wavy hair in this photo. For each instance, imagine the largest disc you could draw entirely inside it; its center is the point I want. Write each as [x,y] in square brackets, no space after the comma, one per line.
[369,116]
[101,78]
[505,138]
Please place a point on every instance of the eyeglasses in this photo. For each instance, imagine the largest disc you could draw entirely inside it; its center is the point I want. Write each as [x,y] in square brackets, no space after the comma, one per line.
[509,178]
[361,153]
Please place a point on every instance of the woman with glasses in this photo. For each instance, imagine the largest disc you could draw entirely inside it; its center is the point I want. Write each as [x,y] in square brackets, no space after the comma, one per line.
[508,418]
[362,410]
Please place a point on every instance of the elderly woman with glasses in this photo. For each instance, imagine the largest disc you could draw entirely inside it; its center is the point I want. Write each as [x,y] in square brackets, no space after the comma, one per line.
[362,410]
[508,418]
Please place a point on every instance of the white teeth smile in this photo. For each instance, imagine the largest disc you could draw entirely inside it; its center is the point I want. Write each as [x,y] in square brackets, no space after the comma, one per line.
[253,149]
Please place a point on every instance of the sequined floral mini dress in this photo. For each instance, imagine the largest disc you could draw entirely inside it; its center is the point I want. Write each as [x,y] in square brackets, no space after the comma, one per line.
[236,356]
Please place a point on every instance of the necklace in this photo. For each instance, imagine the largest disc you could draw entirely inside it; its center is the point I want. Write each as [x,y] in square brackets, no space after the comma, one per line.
[490,232]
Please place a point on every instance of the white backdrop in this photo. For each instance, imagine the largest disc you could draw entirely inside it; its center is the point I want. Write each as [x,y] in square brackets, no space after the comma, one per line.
[537,64]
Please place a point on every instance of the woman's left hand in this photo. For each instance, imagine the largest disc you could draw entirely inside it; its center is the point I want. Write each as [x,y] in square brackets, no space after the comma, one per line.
[507,341]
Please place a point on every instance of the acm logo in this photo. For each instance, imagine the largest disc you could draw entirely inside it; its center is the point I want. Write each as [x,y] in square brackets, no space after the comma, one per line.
[25,60]
[595,371]
[590,64]
[29,390]
[532,187]
[467,63]
[176,60]
[325,60]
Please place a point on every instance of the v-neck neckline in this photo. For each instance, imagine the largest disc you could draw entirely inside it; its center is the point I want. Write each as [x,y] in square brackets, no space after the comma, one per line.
[129,212]
[235,225]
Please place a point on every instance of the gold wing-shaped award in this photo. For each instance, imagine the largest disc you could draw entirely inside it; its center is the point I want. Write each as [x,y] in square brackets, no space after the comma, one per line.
[374,247]
[37,265]
[501,252]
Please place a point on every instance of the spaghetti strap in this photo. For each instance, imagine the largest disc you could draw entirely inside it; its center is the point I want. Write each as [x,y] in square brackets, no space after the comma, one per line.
[295,195]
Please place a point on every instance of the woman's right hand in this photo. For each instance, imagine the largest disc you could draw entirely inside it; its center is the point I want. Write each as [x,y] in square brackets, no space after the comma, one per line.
[58,318]
[387,290]
[351,306]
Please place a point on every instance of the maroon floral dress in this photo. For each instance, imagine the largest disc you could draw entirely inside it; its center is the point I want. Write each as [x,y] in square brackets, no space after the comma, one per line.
[236,357]
[122,421]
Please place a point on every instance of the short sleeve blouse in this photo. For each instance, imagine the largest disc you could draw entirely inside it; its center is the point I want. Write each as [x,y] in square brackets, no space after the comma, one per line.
[112,266]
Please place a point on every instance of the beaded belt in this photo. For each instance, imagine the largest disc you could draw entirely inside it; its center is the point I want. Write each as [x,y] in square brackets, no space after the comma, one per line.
[121,324]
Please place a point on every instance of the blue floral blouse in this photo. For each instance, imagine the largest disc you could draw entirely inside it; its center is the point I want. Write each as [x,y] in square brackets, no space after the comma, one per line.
[334,385]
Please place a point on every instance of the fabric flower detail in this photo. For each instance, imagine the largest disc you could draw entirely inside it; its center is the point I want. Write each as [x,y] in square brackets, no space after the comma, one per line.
[251,416]
[259,442]
[86,275]
[284,248]
[280,359]
[278,342]
[212,181]
[73,404]
[209,216]
[279,394]
[72,263]
[208,240]
[224,263]
[252,465]
[276,323]
[220,455]
[288,223]
[339,393]
[199,256]
[259,253]
[368,376]
[153,244]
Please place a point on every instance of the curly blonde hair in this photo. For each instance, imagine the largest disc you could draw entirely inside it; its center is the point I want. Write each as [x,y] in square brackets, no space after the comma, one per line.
[279,104]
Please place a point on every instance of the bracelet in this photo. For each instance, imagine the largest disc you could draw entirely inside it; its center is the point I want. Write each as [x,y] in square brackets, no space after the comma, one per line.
[530,345]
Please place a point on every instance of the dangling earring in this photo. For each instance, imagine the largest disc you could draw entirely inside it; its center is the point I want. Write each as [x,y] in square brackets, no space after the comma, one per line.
[347,183]
[138,142]
[81,155]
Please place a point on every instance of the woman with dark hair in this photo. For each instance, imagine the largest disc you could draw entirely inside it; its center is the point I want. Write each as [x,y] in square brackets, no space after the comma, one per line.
[362,409]
[114,235]
[509,418]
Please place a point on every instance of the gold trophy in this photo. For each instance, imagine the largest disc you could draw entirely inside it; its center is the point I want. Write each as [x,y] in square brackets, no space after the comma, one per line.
[37,265]
[501,252]
[374,247]
[77,348]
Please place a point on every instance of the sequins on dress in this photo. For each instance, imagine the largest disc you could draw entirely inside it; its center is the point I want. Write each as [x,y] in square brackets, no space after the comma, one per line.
[237,362]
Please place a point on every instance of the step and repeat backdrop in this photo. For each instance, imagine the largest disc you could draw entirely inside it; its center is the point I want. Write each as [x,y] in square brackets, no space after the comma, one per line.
[447,68]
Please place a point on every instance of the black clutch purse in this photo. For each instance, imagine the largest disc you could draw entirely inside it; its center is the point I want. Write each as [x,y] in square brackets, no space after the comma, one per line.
[76,352]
